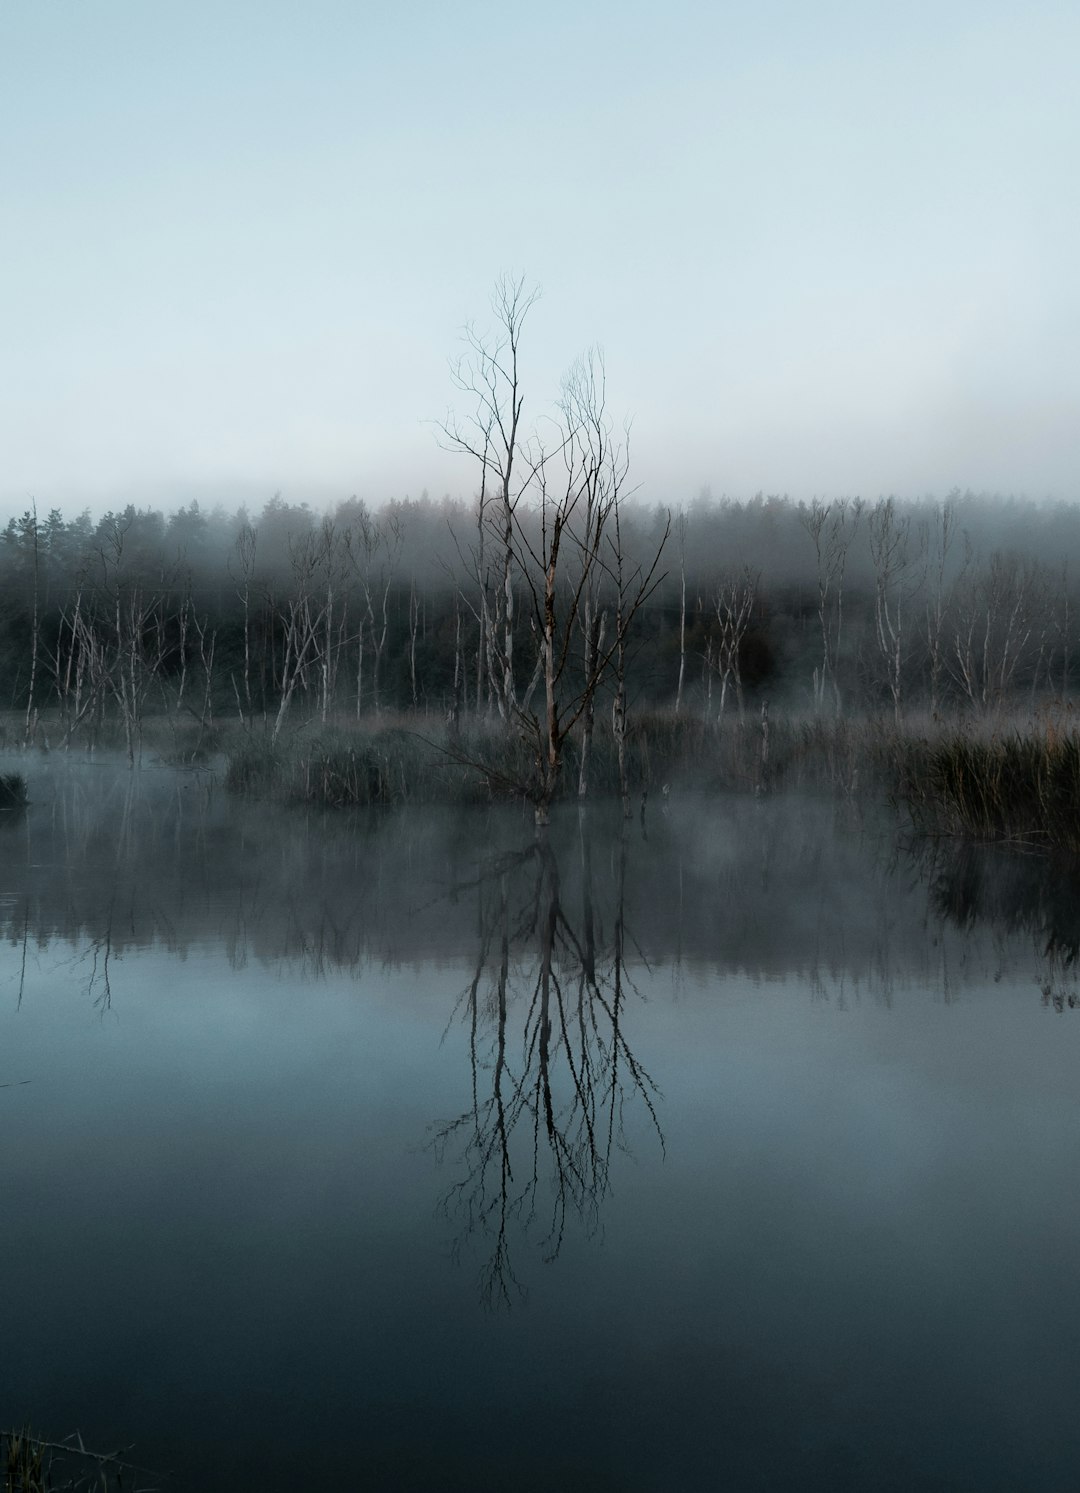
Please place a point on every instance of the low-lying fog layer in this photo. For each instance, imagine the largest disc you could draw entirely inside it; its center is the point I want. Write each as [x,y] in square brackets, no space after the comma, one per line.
[735,1146]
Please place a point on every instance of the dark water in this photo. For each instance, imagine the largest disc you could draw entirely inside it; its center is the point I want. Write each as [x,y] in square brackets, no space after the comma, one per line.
[735,1150]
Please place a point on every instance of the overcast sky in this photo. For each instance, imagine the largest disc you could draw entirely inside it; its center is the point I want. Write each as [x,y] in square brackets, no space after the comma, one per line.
[827,248]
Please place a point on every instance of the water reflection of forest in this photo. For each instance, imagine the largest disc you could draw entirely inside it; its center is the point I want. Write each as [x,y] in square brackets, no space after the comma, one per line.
[774,888]
[549,944]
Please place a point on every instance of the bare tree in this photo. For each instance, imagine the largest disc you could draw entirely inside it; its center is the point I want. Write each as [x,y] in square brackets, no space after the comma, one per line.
[332,561]
[373,550]
[553,502]
[680,528]
[561,564]
[996,611]
[944,528]
[301,616]
[488,374]
[1062,618]
[897,558]
[30,526]
[245,548]
[414,628]
[602,472]
[734,605]
[831,527]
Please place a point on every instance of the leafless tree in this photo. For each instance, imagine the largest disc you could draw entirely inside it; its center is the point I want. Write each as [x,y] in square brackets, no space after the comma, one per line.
[245,549]
[680,529]
[899,568]
[332,562]
[372,550]
[996,613]
[414,628]
[938,548]
[559,567]
[301,615]
[30,526]
[831,527]
[491,433]
[733,603]
[553,502]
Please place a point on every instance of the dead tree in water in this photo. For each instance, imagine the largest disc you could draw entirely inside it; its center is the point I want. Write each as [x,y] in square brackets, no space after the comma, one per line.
[488,374]
[575,551]
[553,503]
[602,473]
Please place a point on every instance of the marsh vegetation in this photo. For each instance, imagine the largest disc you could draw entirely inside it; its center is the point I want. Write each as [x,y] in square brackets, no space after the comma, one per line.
[33,1464]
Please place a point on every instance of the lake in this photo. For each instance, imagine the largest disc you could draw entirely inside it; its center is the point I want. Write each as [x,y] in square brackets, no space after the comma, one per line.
[736,1147]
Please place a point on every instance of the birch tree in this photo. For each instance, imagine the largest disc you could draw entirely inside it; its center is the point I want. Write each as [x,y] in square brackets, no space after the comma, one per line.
[831,527]
[898,573]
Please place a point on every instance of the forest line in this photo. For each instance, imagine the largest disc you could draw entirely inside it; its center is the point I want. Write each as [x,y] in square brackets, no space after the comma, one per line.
[958,603]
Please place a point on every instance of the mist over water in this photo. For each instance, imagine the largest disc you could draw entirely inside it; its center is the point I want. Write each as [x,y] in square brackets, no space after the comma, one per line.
[735,1146]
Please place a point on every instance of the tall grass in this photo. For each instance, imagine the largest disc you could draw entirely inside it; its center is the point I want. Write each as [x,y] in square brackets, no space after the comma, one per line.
[360,765]
[339,767]
[31,1464]
[1019,786]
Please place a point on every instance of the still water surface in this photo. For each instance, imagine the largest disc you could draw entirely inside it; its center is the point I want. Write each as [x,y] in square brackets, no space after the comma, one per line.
[736,1149]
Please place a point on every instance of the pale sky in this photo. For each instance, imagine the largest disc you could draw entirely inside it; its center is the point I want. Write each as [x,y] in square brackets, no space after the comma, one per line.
[826,247]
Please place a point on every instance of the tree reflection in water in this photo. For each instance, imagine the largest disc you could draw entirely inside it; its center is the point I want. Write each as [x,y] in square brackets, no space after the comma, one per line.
[552,1068]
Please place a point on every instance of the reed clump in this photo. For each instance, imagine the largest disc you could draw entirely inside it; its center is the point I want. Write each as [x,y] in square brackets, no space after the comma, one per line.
[1020,786]
[480,761]
[342,768]
[956,778]
[32,1464]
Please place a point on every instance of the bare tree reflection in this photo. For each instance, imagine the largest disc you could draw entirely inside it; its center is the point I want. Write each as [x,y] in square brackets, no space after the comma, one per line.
[552,1069]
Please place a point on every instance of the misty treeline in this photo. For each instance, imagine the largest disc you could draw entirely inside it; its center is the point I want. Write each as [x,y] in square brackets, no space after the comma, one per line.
[549,605]
[288,614]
